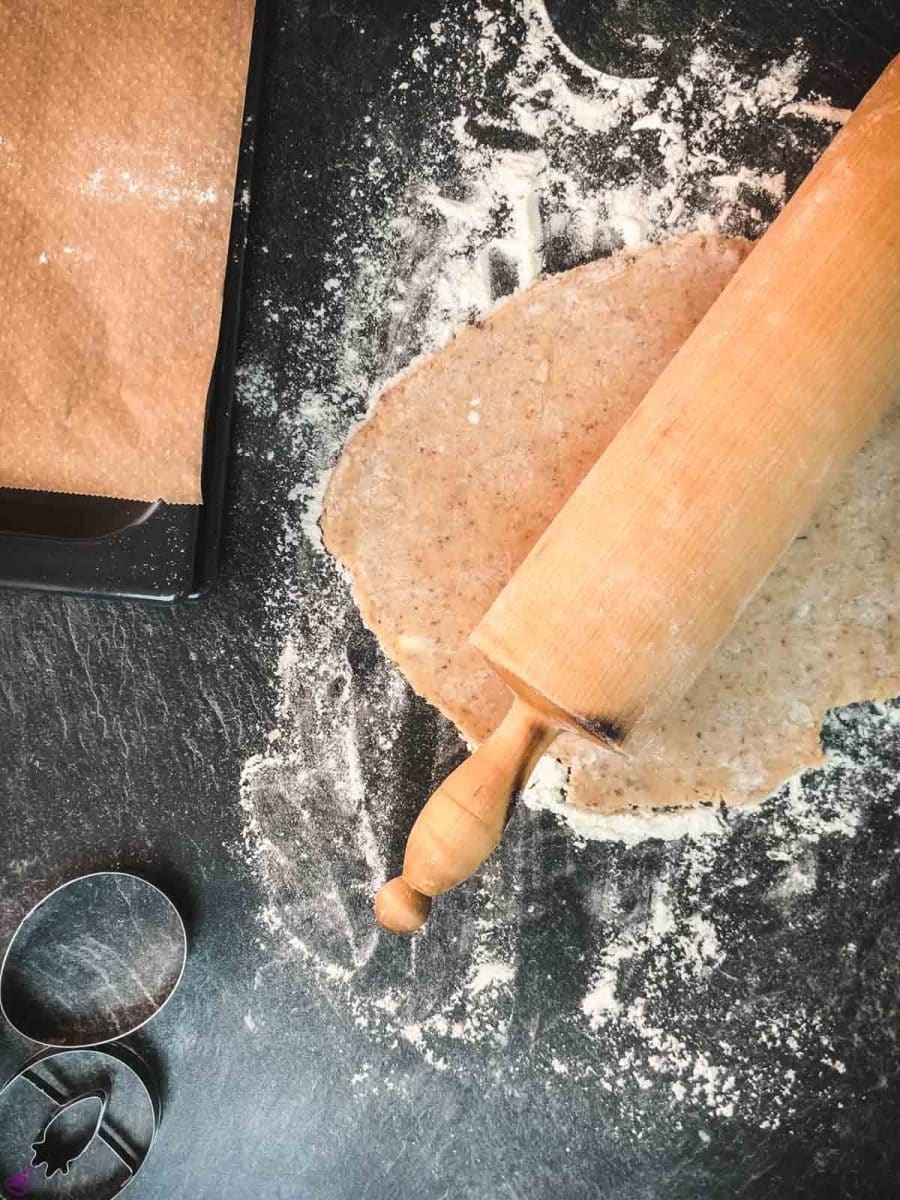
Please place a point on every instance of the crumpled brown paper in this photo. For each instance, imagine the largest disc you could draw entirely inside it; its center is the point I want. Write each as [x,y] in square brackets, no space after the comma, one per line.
[119,131]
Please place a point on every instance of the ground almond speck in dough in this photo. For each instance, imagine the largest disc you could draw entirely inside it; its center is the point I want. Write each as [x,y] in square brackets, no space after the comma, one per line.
[657,977]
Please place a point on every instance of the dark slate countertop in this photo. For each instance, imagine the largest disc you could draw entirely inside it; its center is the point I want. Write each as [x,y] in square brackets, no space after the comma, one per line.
[124,730]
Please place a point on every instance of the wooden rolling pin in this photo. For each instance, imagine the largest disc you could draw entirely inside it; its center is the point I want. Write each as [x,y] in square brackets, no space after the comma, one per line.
[620,604]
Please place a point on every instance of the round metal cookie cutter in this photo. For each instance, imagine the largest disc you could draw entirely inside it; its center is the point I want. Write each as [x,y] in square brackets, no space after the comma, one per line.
[93,961]
[116,1143]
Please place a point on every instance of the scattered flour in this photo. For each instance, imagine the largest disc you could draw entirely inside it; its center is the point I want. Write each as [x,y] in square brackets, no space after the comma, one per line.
[166,186]
[534,161]
[547,790]
[490,975]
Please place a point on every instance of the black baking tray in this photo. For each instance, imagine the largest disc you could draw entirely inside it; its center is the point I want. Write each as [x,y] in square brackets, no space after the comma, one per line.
[130,549]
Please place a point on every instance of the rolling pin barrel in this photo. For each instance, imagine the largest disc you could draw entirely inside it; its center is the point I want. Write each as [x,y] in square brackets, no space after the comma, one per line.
[635,583]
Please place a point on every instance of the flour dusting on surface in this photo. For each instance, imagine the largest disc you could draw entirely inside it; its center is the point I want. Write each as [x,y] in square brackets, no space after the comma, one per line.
[536,161]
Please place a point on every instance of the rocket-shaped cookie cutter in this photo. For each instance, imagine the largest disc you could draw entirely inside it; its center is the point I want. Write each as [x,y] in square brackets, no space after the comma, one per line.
[56,1154]
[53,1150]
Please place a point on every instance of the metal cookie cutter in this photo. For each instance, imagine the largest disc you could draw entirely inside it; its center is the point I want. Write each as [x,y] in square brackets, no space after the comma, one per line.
[116,1140]
[93,962]
[53,1150]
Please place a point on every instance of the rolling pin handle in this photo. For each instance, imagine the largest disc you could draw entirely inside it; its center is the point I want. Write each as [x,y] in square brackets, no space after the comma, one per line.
[400,908]
[463,822]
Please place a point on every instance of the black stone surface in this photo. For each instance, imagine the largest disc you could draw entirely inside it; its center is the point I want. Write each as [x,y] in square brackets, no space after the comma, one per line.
[123,730]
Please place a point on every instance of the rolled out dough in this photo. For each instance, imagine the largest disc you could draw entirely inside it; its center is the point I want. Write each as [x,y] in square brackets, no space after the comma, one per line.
[467,457]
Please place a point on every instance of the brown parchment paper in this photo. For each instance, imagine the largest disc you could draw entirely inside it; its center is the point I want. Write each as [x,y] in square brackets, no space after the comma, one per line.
[120,124]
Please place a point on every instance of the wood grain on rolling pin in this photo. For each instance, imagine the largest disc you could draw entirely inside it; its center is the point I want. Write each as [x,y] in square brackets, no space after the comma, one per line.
[622,600]
[637,580]
[471,453]
[432,511]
